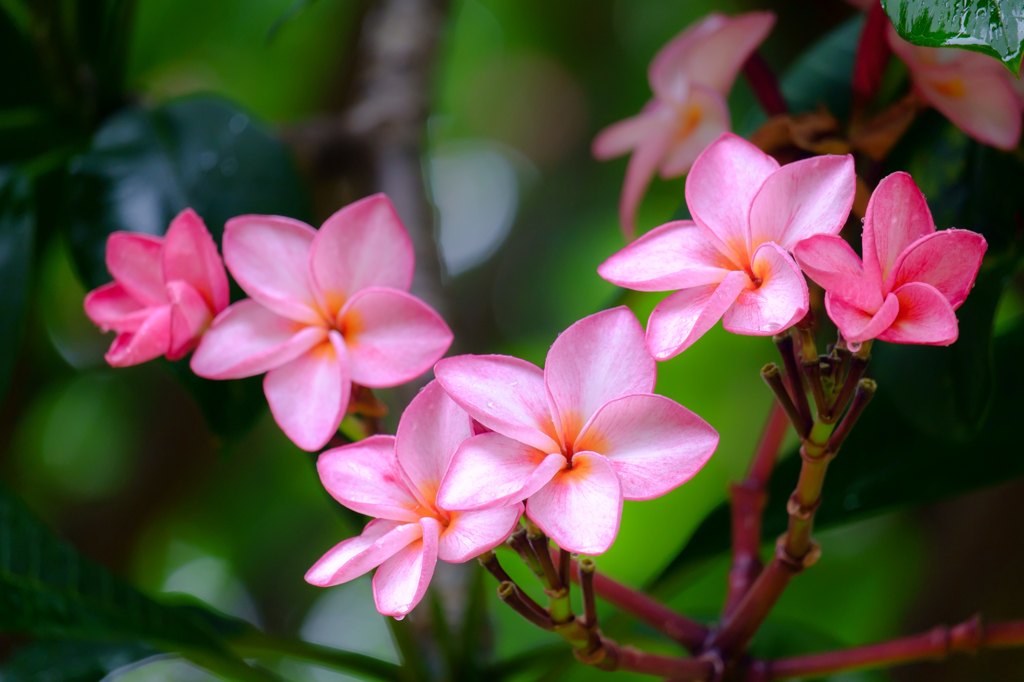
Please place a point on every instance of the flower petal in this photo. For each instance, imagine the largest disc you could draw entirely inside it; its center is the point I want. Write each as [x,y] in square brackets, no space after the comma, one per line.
[897,216]
[190,317]
[925,317]
[802,199]
[948,260]
[491,470]
[721,187]
[134,261]
[112,307]
[151,340]
[858,326]
[643,165]
[401,581]
[363,245]
[705,117]
[190,255]
[367,478]
[351,558]
[248,339]
[832,263]
[392,337]
[653,443]
[624,136]
[269,258]
[601,357]
[469,534]
[778,303]
[687,315]
[580,509]
[503,393]
[309,395]
[676,255]
[430,431]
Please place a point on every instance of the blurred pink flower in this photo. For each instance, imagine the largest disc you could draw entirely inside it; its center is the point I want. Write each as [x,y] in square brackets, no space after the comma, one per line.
[976,92]
[912,278]
[575,439]
[328,308]
[691,77]
[395,479]
[165,293]
[732,262]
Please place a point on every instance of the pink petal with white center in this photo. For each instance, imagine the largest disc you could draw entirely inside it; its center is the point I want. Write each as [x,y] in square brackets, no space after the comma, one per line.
[643,165]
[676,255]
[401,581]
[349,559]
[925,317]
[858,326]
[948,260]
[685,316]
[190,255]
[833,264]
[779,302]
[366,477]
[896,217]
[721,187]
[653,443]
[247,339]
[491,470]
[710,52]
[802,199]
[190,317]
[112,307]
[151,340]
[601,357]
[580,509]
[503,393]
[624,136]
[363,245]
[430,431]
[309,395]
[392,337]
[134,261]
[269,258]
[470,534]
[703,119]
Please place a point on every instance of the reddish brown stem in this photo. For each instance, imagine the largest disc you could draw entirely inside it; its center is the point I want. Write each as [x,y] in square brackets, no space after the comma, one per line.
[872,57]
[765,85]
[937,644]
[794,378]
[774,432]
[679,669]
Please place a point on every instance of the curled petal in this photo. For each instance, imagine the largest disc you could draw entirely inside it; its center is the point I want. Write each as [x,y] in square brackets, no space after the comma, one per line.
[676,255]
[925,317]
[491,470]
[643,165]
[401,581]
[190,255]
[503,393]
[309,395]
[134,261]
[363,245]
[351,558]
[856,325]
[653,443]
[777,303]
[832,263]
[469,534]
[190,316]
[580,509]
[601,357]
[248,339]
[392,337]
[687,315]
[896,217]
[624,136]
[269,258]
[948,260]
[112,307]
[802,199]
[366,477]
[703,119]
[151,340]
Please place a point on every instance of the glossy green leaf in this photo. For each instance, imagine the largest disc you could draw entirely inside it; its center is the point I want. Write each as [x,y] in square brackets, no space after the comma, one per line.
[71,661]
[991,27]
[17,229]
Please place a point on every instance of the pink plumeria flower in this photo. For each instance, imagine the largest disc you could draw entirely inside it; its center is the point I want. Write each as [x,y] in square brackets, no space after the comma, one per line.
[395,479]
[690,76]
[575,439]
[328,308]
[974,91]
[165,293]
[912,278]
[732,261]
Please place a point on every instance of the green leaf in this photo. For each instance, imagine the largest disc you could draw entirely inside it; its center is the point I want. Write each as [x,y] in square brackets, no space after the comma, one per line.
[17,229]
[71,661]
[991,27]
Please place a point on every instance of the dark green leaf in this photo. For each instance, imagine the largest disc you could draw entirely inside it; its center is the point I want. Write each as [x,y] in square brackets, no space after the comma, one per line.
[17,228]
[992,27]
[71,661]
[294,10]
